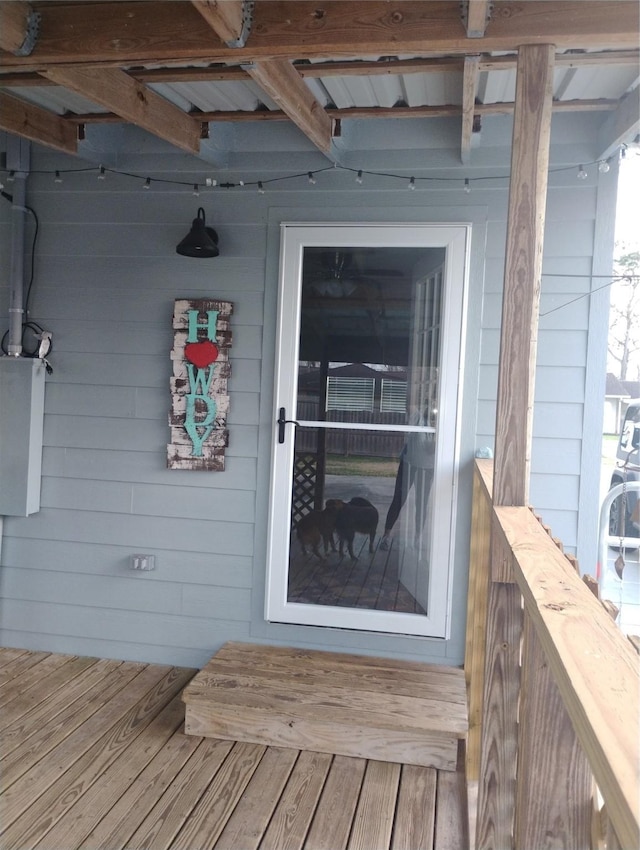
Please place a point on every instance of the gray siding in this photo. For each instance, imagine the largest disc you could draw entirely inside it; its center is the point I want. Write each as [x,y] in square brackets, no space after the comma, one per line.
[107,275]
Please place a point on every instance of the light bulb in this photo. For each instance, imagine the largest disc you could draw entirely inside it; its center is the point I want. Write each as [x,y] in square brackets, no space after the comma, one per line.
[582,174]
[147,184]
[603,166]
[57,178]
[359,177]
[312,179]
[102,174]
[412,184]
[467,186]
[260,188]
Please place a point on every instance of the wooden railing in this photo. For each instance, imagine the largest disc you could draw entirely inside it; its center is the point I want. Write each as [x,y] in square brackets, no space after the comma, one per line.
[554,692]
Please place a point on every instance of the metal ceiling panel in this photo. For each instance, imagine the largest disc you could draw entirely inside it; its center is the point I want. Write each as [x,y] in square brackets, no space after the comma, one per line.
[497,87]
[607,82]
[437,89]
[55,99]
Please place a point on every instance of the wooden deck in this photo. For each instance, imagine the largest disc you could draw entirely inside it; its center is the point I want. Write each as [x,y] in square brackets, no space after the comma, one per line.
[94,755]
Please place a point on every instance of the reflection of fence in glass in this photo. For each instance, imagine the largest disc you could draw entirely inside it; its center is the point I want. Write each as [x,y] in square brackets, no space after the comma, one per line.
[383,444]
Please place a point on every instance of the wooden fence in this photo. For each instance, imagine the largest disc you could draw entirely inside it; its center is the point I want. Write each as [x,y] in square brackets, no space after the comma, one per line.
[544,657]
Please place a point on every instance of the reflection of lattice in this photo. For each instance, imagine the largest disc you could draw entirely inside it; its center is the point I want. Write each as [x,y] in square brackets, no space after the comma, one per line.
[304,485]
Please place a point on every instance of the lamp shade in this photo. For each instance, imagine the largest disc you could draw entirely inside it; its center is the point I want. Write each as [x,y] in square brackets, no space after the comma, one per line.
[200,241]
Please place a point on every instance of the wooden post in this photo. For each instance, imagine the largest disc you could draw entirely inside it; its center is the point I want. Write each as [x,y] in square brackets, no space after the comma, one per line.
[523,266]
[514,417]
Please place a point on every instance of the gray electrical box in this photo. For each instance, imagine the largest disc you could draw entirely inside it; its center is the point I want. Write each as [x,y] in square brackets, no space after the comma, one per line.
[21,426]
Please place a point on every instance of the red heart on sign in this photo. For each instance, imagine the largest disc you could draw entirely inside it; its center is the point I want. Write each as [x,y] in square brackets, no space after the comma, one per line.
[201,354]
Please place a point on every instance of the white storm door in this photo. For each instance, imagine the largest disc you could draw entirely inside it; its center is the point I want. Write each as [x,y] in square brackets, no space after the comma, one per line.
[364,461]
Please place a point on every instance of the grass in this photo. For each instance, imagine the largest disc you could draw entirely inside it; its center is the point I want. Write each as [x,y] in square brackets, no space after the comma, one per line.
[380,467]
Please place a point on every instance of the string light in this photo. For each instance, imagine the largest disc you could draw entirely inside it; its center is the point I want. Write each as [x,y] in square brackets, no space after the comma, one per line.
[603,166]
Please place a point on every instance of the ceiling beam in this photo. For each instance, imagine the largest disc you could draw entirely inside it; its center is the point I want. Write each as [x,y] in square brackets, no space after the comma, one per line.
[390,112]
[16,23]
[357,68]
[283,84]
[225,17]
[172,31]
[469,89]
[32,122]
[128,98]
[621,126]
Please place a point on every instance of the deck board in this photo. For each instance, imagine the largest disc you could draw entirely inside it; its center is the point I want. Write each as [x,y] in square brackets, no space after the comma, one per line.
[105,792]
[254,811]
[73,766]
[415,814]
[32,677]
[26,741]
[113,769]
[290,822]
[25,703]
[373,822]
[332,821]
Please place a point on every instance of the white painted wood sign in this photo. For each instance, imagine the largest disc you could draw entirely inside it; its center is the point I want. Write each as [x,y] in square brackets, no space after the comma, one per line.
[199,400]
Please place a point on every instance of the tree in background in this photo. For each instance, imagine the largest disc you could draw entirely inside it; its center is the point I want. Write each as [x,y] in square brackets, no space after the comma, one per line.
[624,318]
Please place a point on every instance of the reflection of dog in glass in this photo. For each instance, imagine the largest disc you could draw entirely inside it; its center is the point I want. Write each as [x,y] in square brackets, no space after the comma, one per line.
[318,525]
[356,515]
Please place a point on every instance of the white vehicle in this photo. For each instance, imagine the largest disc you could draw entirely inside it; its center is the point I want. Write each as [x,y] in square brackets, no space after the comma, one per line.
[624,516]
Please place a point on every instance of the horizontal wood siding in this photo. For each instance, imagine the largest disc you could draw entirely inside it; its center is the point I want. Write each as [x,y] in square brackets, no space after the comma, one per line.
[106,278]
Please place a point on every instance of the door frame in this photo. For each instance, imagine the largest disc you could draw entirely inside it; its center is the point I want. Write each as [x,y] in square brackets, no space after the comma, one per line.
[455,238]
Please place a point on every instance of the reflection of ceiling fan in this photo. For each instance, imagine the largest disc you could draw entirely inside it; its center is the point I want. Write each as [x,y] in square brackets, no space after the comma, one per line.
[331,272]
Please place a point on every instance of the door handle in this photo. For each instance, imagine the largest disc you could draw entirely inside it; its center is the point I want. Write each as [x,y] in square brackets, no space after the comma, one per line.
[282,421]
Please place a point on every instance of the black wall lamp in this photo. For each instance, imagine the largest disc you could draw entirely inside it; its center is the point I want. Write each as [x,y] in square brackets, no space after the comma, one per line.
[200,241]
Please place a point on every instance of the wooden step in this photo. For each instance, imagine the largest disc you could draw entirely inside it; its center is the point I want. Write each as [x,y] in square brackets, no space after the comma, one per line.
[375,708]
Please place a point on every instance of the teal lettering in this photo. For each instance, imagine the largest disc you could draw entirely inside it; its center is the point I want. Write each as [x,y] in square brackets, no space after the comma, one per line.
[194,324]
[200,378]
[199,431]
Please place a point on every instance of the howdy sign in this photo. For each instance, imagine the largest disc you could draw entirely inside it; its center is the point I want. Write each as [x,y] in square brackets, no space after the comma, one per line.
[199,400]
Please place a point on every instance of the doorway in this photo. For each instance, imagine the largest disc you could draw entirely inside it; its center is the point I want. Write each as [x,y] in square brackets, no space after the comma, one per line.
[364,463]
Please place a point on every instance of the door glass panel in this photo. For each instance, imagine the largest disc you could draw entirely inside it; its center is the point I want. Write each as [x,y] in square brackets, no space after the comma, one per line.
[369,350]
